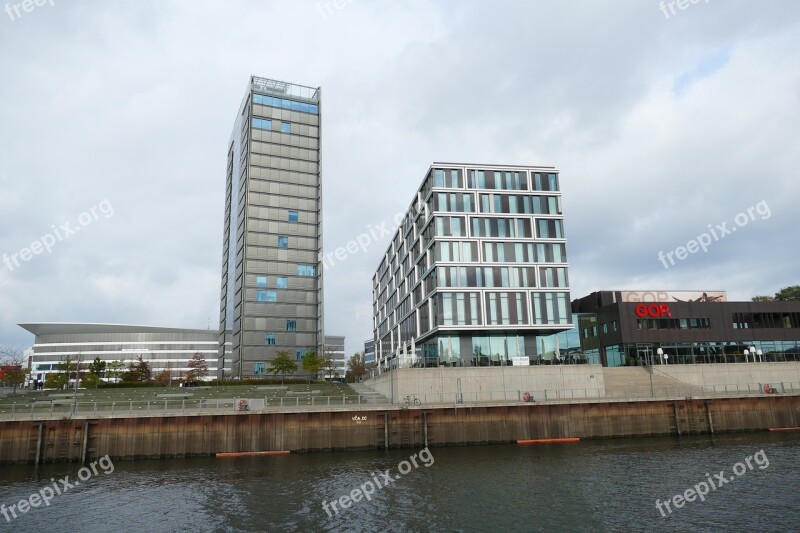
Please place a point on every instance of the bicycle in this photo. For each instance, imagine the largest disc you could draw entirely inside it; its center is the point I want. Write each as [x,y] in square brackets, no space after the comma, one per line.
[411,400]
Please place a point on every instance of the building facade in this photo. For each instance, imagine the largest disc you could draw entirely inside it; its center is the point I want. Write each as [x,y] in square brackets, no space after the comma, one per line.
[685,327]
[476,274]
[168,349]
[271,297]
[334,348]
[369,353]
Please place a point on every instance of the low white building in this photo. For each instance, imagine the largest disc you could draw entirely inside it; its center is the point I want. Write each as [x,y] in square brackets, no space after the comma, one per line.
[162,348]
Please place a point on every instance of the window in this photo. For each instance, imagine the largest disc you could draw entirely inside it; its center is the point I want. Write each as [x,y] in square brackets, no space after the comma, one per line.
[269,339]
[261,282]
[260,99]
[292,216]
[283,241]
[266,296]
[259,369]
[281,282]
[605,327]
[286,127]
[262,123]
[291,325]
[306,270]
[301,352]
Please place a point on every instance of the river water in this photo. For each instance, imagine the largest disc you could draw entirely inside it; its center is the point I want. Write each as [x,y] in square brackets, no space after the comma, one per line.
[602,485]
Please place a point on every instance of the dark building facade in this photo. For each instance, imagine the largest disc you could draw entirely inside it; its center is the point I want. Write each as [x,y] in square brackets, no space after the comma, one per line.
[685,327]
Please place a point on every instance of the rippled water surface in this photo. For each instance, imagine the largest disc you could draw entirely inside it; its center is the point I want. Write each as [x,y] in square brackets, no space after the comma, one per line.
[604,485]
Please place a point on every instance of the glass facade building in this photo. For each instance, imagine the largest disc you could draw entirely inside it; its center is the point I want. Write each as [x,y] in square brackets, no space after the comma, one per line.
[271,297]
[631,328]
[477,273]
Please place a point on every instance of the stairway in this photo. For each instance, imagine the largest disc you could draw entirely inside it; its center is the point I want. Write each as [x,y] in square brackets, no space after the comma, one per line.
[370,395]
[634,382]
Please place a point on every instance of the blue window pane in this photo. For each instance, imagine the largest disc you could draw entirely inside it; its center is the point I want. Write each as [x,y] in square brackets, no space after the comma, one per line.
[306,270]
[281,282]
[269,339]
[266,296]
[314,109]
[283,241]
[292,216]
[291,325]
[262,124]
[259,369]
[286,127]
[261,281]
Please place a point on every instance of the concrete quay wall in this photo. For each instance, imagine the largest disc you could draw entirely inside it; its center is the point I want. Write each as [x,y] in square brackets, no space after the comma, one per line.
[160,437]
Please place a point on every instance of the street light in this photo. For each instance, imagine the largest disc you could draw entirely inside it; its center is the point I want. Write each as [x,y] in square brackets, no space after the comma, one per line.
[660,353]
[753,353]
[746,354]
[666,359]
[760,354]
[77,380]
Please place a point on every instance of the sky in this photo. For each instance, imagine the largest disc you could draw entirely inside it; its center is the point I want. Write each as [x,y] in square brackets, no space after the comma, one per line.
[670,125]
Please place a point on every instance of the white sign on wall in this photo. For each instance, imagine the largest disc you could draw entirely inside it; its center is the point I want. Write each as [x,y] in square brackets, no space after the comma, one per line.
[520,361]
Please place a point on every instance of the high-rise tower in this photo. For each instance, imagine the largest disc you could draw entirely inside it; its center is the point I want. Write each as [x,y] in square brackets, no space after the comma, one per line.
[271,273]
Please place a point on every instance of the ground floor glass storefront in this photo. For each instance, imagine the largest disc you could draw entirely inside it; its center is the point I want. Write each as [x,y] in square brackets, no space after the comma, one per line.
[635,354]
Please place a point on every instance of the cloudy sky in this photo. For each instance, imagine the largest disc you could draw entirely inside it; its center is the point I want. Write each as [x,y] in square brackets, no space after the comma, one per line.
[665,123]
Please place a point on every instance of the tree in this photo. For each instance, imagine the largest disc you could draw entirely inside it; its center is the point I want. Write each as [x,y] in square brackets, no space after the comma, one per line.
[59,377]
[356,367]
[138,372]
[115,370]
[198,368]
[763,298]
[788,294]
[328,365]
[283,364]
[12,369]
[93,376]
[312,364]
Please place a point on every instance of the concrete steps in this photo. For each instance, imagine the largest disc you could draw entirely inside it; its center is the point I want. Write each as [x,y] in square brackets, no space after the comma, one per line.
[363,390]
[635,382]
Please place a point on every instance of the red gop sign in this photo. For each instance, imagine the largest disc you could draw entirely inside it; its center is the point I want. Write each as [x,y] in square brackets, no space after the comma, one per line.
[652,310]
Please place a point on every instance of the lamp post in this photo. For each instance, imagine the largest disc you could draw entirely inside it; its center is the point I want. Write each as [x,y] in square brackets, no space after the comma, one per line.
[660,353]
[760,355]
[746,355]
[753,353]
[666,359]
[77,381]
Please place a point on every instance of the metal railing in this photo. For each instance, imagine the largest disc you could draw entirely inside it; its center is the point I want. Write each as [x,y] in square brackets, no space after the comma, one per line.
[42,409]
[61,408]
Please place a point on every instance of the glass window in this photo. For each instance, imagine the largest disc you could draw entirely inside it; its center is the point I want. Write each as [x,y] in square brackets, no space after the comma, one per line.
[291,325]
[306,270]
[262,123]
[269,339]
[266,296]
[286,127]
[261,281]
[259,369]
[292,216]
[281,282]
[283,241]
